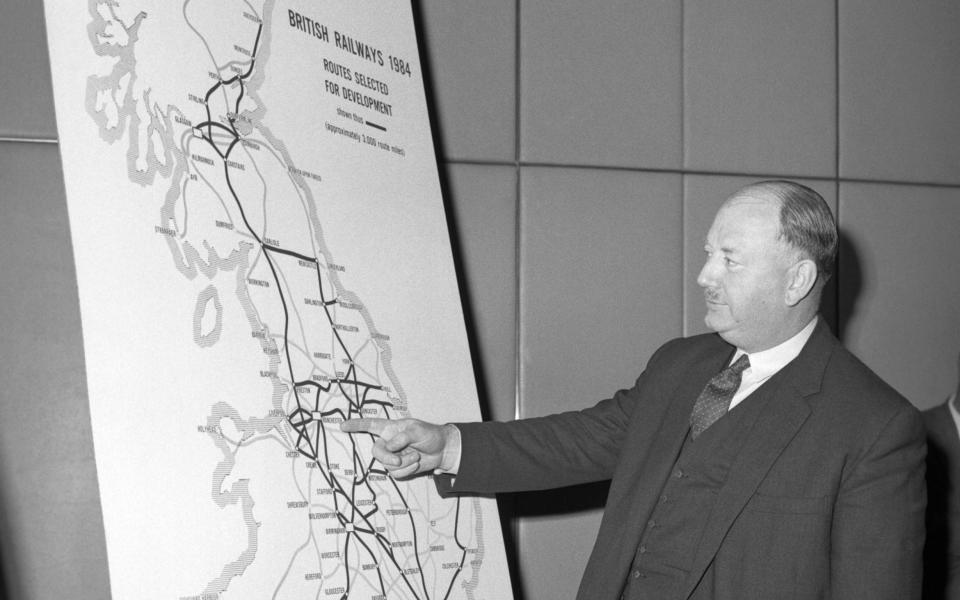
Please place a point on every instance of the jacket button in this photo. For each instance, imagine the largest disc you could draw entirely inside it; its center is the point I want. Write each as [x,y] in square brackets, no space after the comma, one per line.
[643,549]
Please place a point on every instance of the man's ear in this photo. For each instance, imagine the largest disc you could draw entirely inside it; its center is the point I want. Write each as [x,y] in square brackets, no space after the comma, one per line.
[800,281]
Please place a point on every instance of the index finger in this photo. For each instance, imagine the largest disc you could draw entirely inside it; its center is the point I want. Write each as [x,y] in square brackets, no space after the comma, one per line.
[366,425]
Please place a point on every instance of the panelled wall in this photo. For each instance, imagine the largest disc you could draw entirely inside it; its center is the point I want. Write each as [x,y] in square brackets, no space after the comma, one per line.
[596,139]
[585,147]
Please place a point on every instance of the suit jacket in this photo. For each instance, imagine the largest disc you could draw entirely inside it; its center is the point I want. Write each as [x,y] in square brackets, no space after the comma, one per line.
[824,500]
[942,554]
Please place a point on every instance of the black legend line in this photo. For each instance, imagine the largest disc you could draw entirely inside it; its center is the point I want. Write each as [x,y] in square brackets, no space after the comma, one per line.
[375,126]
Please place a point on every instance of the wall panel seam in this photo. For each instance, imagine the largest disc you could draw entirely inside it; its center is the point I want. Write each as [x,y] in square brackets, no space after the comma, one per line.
[517,341]
[758,174]
[684,276]
[683,179]
[29,140]
[836,85]
[836,184]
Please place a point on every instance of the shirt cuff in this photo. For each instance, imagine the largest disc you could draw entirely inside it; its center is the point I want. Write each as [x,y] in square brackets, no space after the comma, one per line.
[450,460]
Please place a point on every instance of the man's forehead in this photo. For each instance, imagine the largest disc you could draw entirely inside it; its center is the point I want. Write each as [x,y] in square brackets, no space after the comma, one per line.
[755,201]
[744,218]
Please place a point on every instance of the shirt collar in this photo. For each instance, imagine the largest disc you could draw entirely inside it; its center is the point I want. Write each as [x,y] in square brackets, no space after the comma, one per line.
[953,411]
[767,362]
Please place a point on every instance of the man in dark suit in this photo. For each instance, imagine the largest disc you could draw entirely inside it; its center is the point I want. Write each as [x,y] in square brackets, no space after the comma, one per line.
[942,554]
[761,462]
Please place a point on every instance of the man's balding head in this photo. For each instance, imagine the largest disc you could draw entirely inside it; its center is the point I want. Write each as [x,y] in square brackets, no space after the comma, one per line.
[806,222]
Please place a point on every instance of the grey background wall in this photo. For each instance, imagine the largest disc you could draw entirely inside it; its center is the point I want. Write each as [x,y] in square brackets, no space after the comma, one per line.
[585,146]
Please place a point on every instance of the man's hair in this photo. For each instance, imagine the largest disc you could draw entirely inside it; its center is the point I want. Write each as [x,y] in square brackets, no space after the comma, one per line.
[806,222]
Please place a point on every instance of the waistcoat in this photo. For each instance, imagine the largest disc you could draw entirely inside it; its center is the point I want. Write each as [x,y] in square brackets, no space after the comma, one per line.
[670,538]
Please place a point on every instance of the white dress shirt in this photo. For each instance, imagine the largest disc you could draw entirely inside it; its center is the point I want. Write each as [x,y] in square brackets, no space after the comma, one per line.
[765,364]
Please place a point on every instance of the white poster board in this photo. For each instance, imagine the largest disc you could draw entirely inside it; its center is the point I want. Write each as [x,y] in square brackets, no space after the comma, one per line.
[261,252]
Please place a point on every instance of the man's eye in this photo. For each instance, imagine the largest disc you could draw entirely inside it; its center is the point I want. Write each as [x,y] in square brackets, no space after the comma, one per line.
[729,261]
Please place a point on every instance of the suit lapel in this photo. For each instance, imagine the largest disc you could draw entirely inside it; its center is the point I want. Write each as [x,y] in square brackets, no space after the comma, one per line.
[784,413]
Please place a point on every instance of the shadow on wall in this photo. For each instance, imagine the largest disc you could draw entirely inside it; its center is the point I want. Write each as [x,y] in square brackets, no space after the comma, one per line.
[562,501]
[4,592]
[939,575]
[849,293]
[11,579]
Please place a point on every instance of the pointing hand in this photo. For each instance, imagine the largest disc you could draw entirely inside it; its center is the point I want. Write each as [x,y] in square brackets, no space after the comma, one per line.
[405,447]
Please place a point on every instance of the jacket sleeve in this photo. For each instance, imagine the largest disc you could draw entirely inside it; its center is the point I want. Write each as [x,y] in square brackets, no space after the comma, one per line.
[878,522]
[546,452]
[553,451]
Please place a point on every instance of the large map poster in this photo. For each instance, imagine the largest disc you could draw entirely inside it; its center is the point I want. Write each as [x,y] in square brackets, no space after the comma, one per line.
[262,252]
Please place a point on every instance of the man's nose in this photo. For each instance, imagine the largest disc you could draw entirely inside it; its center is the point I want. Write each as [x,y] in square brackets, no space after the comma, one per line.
[707,277]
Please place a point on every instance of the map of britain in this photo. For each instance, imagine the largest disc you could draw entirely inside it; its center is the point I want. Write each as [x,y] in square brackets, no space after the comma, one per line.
[262,253]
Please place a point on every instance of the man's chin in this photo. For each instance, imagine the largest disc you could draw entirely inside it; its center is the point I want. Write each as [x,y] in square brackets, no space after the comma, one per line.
[715,321]
[712,314]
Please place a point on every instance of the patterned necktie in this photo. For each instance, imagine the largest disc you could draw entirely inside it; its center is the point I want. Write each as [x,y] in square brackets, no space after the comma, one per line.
[716,396]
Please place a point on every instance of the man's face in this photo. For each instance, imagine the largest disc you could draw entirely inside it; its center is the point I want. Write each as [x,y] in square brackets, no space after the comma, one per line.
[745,275]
